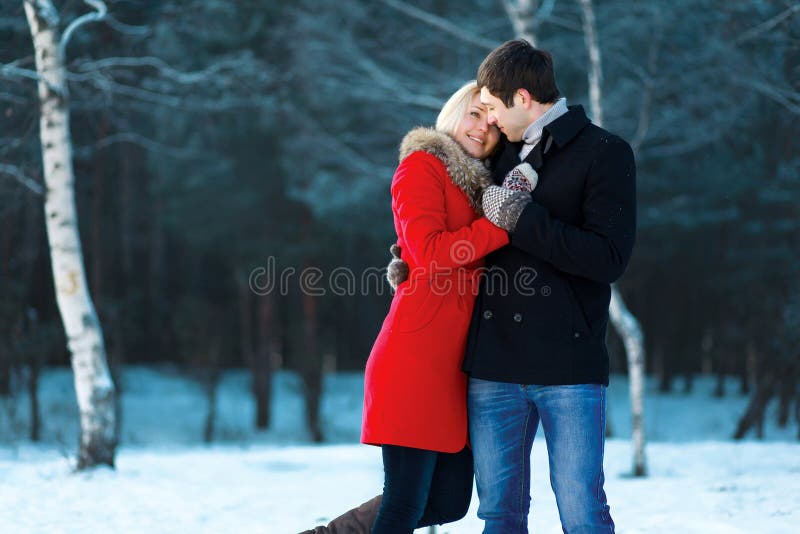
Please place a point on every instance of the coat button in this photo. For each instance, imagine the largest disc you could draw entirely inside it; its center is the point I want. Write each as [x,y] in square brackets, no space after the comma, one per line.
[576,335]
[487,314]
[518,317]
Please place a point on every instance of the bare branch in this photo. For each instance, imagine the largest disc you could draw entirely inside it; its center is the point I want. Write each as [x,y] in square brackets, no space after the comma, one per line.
[9,70]
[526,18]
[127,29]
[564,23]
[16,172]
[420,101]
[11,142]
[788,99]
[14,99]
[100,13]
[440,23]
[163,68]
[390,83]
[546,9]
[108,85]
[140,140]
[13,72]
[767,25]
[647,95]
[207,104]
[677,149]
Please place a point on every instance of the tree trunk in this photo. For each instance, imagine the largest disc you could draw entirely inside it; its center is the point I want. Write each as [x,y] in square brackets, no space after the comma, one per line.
[754,415]
[623,320]
[247,346]
[33,396]
[312,367]
[8,220]
[749,375]
[156,279]
[93,385]
[719,390]
[211,376]
[261,362]
[523,16]
[98,203]
[631,334]
[595,67]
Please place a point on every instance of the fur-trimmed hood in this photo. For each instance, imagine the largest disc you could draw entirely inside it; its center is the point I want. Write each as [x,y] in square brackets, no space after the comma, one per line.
[467,173]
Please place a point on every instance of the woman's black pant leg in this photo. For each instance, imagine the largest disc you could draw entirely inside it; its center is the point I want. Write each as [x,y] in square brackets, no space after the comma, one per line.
[423,488]
[451,489]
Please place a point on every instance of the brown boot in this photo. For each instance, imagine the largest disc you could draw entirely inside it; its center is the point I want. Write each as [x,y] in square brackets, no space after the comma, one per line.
[356,521]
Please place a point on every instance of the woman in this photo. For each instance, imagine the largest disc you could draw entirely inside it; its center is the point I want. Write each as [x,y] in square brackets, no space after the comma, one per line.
[415,392]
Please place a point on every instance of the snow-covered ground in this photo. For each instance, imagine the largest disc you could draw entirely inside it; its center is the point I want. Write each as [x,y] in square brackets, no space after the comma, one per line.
[275,482]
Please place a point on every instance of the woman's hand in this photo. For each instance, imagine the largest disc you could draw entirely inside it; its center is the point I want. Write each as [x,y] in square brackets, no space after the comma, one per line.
[503,205]
[397,270]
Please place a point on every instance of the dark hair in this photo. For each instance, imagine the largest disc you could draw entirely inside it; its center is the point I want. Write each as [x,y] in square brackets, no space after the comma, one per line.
[518,65]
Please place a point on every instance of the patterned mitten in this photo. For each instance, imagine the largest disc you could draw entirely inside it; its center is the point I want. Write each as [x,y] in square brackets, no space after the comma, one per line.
[523,177]
[503,206]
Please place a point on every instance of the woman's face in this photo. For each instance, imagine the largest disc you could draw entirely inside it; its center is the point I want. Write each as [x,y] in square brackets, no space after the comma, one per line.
[474,133]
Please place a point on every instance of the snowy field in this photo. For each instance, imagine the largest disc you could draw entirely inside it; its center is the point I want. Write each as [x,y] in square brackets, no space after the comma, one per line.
[275,482]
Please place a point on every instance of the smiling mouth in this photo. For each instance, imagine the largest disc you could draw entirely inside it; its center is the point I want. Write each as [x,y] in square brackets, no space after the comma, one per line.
[479,141]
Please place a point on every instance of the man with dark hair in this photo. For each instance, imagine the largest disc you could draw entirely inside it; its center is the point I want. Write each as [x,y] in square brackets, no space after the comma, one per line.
[536,353]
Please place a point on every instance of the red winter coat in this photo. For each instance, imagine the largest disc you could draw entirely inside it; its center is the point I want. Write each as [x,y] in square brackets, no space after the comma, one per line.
[415,392]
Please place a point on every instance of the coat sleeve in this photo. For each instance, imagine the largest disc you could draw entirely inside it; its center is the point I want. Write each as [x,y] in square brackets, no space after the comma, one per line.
[600,248]
[418,202]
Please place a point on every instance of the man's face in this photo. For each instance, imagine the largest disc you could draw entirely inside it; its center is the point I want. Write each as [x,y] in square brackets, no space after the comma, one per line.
[474,132]
[512,121]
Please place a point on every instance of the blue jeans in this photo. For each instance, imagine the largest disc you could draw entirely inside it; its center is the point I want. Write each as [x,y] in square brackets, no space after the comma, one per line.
[503,419]
[422,488]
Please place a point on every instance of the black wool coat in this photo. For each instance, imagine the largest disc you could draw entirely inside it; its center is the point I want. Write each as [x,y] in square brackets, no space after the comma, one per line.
[542,311]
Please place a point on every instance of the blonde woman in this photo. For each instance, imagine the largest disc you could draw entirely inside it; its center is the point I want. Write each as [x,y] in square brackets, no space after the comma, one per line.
[415,392]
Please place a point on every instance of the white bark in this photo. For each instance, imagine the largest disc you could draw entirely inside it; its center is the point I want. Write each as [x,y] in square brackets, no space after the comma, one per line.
[621,318]
[629,330]
[595,69]
[93,385]
[522,14]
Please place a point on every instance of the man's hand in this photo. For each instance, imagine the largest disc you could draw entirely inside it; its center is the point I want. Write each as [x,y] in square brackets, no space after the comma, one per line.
[397,270]
[504,206]
[523,177]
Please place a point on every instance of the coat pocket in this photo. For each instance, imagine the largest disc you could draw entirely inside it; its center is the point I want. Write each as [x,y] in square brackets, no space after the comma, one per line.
[579,320]
[417,306]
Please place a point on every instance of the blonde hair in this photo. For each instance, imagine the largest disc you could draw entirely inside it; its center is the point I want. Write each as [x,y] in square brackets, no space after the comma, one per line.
[455,108]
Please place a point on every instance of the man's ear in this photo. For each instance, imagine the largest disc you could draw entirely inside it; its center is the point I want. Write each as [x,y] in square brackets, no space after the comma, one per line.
[524,97]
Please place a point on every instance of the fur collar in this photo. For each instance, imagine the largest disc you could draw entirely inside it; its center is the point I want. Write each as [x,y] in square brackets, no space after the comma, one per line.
[467,173]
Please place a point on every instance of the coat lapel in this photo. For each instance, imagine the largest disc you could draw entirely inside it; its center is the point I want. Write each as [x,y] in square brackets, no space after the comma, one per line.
[555,135]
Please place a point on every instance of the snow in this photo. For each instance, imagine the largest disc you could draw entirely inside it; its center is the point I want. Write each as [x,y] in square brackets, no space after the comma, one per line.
[275,482]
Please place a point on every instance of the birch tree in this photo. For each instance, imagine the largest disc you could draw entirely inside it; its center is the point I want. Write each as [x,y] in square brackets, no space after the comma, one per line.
[93,384]
[623,320]
[525,17]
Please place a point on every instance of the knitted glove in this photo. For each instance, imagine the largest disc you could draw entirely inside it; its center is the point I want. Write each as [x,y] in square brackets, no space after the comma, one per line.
[504,206]
[397,270]
[523,177]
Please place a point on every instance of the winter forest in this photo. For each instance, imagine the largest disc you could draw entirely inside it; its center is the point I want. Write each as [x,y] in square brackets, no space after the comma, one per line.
[195,225]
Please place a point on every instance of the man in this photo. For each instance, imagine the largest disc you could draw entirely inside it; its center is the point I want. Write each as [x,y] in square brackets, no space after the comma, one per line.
[536,348]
